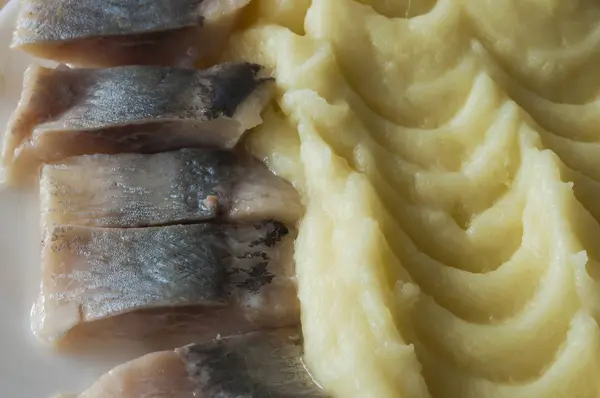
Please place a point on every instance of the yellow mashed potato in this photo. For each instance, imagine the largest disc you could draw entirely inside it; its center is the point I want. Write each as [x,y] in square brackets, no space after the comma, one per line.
[449,155]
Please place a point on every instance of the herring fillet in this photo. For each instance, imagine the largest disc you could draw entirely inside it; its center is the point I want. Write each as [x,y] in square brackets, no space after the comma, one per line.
[90,274]
[144,109]
[184,186]
[125,32]
[266,364]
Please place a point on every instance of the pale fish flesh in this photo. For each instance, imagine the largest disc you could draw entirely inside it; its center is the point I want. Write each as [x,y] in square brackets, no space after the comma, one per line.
[67,112]
[125,32]
[184,186]
[264,364]
[245,273]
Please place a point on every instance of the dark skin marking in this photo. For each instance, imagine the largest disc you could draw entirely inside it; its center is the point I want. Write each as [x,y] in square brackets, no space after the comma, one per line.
[258,276]
[273,236]
[257,254]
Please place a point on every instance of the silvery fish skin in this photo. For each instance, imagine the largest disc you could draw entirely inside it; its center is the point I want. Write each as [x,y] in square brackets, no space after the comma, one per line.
[125,32]
[92,274]
[184,186]
[67,112]
[264,364]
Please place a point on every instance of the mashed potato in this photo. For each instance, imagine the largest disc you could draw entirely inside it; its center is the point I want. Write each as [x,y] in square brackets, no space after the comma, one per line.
[450,159]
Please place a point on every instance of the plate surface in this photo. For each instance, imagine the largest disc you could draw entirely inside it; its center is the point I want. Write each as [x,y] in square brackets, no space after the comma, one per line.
[29,369]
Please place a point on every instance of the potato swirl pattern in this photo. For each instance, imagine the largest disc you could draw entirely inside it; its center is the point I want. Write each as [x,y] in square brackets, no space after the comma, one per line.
[449,154]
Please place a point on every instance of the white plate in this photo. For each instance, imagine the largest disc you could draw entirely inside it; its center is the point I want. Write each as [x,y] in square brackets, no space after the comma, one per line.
[27,368]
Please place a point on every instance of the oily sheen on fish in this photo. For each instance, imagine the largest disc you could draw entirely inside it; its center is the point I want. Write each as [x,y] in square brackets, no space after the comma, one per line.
[264,364]
[145,109]
[125,32]
[245,272]
[183,186]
